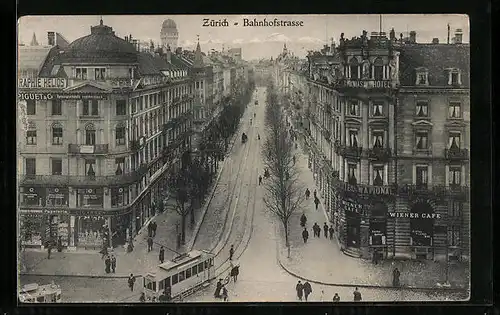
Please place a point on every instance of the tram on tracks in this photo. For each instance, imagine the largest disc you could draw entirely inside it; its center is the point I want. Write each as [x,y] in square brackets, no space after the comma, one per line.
[180,277]
[34,293]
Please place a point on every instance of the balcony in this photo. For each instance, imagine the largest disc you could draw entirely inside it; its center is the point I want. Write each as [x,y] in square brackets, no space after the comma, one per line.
[456,154]
[88,149]
[82,180]
[422,151]
[379,154]
[136,144]
[348,151]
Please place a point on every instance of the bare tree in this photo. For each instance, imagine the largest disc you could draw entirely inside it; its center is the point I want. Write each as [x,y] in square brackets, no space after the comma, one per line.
[178,188]
[283,190]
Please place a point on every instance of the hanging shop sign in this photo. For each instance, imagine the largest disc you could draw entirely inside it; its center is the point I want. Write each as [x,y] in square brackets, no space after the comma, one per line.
[413,215]
[42,83]
[60,96]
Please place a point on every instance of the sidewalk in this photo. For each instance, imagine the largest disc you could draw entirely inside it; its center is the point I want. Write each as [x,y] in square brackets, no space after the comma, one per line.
[320,260]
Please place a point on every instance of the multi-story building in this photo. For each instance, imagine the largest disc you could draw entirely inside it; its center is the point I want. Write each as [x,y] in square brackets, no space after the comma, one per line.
[104,124]
[388,131]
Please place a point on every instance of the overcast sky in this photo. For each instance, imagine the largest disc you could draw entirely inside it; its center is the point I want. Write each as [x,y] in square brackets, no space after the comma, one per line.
[262,41]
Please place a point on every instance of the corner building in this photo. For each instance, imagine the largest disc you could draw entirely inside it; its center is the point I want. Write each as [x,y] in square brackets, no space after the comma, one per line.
[387,127]
[102,126]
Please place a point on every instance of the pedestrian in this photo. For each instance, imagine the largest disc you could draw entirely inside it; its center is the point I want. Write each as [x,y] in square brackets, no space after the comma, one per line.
[113,263]
[315,195]
[299,288]
[336,297]
[131,281]
[59,244]
[142,298]
[107,263]
[357,295]
[224,293]
[305,235]
[218,288]
[260,179]
[162,255]
[153,228]
[150,243]
[49,249]
[375,260]
[331,232]
[231,252]
[308,193]
[258,137]
[316,230]
[325,230]
[235,271]
[104,251]
[150,229]
[395,278]
[294,160]
[303,220]
[316,201]
[307,289]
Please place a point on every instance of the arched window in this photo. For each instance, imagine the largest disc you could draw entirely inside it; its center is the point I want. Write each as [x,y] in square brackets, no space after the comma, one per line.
[378,68]
[57,134]
[354,68]
[90,134]
[120,134]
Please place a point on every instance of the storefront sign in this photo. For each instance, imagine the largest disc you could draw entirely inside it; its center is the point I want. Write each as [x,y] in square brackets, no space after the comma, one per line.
[367,190]
[352,206]
[414,215]
[58,96]
[368,84]
[55,212]
[30,211]
[42,83]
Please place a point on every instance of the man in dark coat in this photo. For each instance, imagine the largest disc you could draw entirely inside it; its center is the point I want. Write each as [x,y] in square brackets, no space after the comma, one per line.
[307,289]
[153,228]
[299,288]
[231,252]
[150,229]
[325,229]
[131,281]
[336,298]
[357,295]
[150,243]
[316,202]
[303,220]
[162,254]
[316,230]
[113,263]
[235,272]
[395,278]
[308,193]
[260,179]
[305,235]
[49,249]
[107,263]
[218,288]
[315,194]
[331,232]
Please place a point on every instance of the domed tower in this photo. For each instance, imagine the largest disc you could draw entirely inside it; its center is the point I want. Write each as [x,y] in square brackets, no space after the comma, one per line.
[169,34]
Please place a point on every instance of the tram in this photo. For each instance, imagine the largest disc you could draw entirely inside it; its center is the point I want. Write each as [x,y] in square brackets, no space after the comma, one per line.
[34,293]
[177,278]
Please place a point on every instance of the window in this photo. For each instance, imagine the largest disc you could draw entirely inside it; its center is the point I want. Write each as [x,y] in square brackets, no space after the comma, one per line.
[454,176]
[100,73]
[422,109]
[120,164]
[422,176]
[119,196]
[200,267]
[421,140]
[181,276]
[378,139]
[354,68]
[454,78]
[90,108]
[455,208]
[454,141]
[81,73]
[351,175]
[454,235]
[57,134]
[378,175]
[31,107]
[56,108]
[354,108]
[378,67]
[194,270]
[56,166]
[422,77]
[31,137]
[90,167]
[120,135]
[353,138]
[175,279]
[121,107]
[455,110]
[188,273]
[377,109]
[30,166]
[134,105]
[90,135]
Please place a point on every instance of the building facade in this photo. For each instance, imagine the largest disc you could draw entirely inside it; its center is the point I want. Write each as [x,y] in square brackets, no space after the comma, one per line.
[392,168]
[103,125]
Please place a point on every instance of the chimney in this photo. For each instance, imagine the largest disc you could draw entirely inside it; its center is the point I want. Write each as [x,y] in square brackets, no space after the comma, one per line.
[413,37]
[51,38]
[130,37]
[435,40]
[458,36]
[126,38]
[169,54]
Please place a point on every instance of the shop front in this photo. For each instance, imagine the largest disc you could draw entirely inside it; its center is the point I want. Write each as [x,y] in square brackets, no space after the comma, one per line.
[121,223]
[422,217]
[31,228]
[378,230]
[90,226]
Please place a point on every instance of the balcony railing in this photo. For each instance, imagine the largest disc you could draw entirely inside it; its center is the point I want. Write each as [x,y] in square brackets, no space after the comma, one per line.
[456,154]
[435,190]
[379,154]
[348,151]
[85,180]
[423,152]
[87,149]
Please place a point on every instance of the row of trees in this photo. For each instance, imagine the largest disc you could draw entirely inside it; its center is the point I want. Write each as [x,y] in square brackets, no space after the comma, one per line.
[283,191]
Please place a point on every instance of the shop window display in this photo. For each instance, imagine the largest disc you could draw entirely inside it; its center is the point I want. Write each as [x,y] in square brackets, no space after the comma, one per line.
[91,230]
[89,197]
[57,228]
[31,227]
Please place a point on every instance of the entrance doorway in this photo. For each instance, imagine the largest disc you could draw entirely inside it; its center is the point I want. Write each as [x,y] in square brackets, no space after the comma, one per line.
[353,230]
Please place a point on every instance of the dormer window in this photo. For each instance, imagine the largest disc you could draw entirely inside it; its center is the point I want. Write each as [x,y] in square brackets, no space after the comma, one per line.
[100,73]
[422,76]
[454,77]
